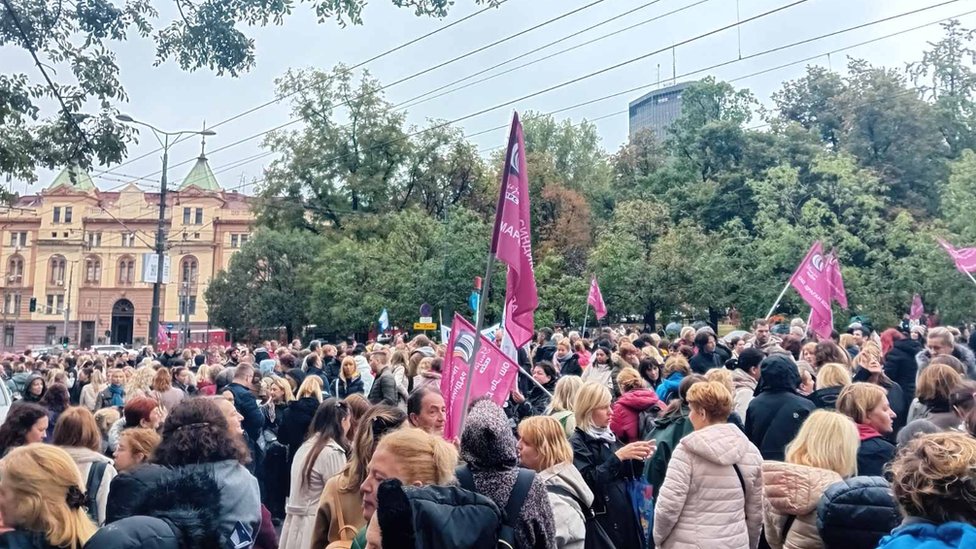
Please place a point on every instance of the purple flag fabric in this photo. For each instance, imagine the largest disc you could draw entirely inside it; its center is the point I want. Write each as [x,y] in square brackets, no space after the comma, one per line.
[812,281]
[964,258]
[917,308]
[595,299]
[493,373]
[837,291]
[511,242]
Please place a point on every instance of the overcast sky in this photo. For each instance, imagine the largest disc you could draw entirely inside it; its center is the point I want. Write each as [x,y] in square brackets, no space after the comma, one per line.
[173,99]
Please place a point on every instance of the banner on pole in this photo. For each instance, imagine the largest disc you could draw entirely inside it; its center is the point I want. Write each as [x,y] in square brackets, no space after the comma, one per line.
[150,268]
[812,281]
[492,375]
[964,258]
[917,309]
[511,243]
[837,291]
[595,299]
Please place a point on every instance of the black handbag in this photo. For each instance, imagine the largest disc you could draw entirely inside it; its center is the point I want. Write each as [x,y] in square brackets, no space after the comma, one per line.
[596,536]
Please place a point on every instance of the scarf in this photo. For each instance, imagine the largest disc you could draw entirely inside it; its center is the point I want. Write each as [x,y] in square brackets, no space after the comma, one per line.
[866,432]
[602,433]
[117,393]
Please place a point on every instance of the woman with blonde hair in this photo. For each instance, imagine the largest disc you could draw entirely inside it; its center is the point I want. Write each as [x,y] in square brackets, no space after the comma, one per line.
[869,367]
[205,379]
[823,452]
[831,380]
[349,381]
[89,393]
[715,472]
[298,416]
[543,448]
[563,400]
[340,512]
[867,405]
[141,382]
[606,465]
[77,433]
[935,385]
[41,495]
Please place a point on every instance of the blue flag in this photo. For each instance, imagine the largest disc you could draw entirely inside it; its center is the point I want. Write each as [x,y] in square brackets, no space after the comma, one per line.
[474,301]
[384,321]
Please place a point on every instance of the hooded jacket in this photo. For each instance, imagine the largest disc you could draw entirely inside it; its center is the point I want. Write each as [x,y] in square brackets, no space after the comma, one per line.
[901,365]
[344,388]
[702,503]
[294,424]
[18,382]
[625,422]
[793,490]
[489,449]
[240,500]
[668,389]
[26,396]
[669,429]
[856,513]
[745,387]
[962,352]
[130,488]
[84,458]
[776,413]
[825,398]
[569,517]
[925,535]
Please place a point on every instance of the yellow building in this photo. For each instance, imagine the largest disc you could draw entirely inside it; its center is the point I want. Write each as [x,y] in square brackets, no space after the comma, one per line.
[81,253]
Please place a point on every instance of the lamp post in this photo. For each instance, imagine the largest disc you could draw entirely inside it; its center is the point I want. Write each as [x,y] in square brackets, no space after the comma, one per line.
[161,226]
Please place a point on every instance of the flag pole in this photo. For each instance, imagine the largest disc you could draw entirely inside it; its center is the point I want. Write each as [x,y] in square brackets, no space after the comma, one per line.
[479,321]
[970,275]
[780,298]
[586,313]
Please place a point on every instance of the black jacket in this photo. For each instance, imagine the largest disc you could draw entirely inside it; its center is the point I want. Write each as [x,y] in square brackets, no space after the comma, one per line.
[900,365]
[536,401]
[331,367]
[23,539]
[607,477]
[130,488]
[776,413]
[346,388]
[294,424]
[873,455]
[545,352]
[570,366]
[856,513]
[384,389]
[247,406]
[704,361]
[825,398]
[896,399]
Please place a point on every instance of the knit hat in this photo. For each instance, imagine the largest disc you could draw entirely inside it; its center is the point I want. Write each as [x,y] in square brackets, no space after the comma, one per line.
[487,442]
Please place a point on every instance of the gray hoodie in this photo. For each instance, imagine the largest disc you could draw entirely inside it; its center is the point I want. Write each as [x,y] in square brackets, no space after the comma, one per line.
[569,518]
[240,499]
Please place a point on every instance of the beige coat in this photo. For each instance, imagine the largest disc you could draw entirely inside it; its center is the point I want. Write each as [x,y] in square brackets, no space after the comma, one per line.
[327,528]
[298,529]
[793,490]
[702,502]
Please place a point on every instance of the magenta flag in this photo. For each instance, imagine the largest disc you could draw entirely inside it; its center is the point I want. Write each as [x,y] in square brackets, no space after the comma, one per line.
[965,258]
[162,342]
[812,280]
[493,373]
[511,242]
[837,291]
[595,299]
[917,308]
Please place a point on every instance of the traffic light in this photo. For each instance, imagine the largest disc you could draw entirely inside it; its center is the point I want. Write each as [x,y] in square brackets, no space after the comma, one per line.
[33,304]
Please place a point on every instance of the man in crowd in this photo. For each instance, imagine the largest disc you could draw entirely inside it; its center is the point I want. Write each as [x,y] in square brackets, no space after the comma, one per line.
[426,410]
[384,390]
[940,341]
[245,402]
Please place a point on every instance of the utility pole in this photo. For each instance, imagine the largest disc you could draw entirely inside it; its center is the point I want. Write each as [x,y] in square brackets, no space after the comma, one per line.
[67,300]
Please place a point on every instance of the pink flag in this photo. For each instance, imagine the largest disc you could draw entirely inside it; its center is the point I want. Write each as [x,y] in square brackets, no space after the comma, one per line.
[965,258]
[812,281]
[162,342]
[917,308]
[595,299]
[838,293]
[493,373]
[511,242]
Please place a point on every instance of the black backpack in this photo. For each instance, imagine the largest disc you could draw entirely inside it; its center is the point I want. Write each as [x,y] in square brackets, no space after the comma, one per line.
[95,474]
[512,510]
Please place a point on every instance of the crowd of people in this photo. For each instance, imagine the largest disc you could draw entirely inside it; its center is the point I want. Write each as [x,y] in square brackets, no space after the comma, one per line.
[609,439]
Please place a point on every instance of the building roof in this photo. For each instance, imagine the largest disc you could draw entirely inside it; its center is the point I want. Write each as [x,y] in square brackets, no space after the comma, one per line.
[201,177]
[74,177]
[661,91]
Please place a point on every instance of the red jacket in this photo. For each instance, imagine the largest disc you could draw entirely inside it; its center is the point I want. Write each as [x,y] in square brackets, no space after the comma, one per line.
[626,413]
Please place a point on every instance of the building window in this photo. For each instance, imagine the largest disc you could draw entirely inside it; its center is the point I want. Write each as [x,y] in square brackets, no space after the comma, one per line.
[186,216]
[57,214]
[18,239]
[8,336]
[190,302]
[15,270]
[199,217]
[243,240]
[233,241]
[127,270]
[93,270]
[51,335]
[188,270]
[94,240]
[128,240]
[11,304]
[55,304]
[57,271]
[238,240]
[67,214]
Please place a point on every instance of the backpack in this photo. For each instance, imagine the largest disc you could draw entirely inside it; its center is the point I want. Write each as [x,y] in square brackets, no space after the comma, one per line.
[596,536]
[95,474]
[347,533]
[512,510]
[646,422]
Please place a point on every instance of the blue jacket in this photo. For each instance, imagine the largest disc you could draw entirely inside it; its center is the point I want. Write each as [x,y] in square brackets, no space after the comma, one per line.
[247,406]
[925,535]
[669,387]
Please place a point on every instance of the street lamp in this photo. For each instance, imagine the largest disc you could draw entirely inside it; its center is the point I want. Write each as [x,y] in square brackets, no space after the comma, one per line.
[160,228]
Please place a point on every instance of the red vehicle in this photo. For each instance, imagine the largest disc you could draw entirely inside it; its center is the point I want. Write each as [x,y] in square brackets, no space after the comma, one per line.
[199,339]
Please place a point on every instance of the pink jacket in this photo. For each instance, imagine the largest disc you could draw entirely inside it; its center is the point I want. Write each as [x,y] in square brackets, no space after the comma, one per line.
[702,502]
[793,490]
[626,413]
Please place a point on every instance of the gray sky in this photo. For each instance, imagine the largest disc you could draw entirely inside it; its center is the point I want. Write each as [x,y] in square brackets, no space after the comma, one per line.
[173,99]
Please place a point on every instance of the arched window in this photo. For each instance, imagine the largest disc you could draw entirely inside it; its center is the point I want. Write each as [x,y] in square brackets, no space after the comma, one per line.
[56,271]
[189,270]
[15,270]
[127,271]
[93,270]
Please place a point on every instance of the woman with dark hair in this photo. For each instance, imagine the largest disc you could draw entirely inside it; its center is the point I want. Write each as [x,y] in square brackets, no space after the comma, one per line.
[651,370]
[34,389]
[182,381]
[56,400]
[198,438]
[828,351]
[26,423]
[900,365]
[168,396]
[537,399]
[318,459]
